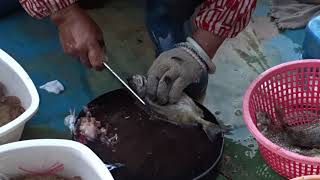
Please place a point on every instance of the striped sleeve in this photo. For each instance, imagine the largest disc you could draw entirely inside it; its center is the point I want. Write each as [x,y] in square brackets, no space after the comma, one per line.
[42,8]
[225,18]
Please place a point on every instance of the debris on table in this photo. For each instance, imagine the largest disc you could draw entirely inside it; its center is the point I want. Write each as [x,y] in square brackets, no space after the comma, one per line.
[301,139]
[70,121]
[114,166]
[53,87]
[10,107]
[91,129]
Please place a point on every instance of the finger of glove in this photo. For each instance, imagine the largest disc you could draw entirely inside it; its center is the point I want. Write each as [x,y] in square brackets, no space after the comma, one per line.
[165,85]
[154,75]
[152,84]
[177,89]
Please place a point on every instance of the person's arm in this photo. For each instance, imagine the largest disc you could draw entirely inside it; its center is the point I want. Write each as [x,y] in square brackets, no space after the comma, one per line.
[175,69]
[80,36]
[43,8]
[220,19]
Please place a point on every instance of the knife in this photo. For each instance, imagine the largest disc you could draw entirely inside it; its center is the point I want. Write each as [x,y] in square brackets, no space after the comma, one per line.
[125,84]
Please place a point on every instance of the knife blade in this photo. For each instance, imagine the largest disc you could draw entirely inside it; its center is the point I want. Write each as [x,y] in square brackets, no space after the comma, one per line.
[125,84]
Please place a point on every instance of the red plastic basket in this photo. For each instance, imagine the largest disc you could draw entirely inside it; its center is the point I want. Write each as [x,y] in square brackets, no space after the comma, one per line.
[296,87]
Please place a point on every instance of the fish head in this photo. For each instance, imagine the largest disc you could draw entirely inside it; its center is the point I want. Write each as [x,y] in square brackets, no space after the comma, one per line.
[138,84]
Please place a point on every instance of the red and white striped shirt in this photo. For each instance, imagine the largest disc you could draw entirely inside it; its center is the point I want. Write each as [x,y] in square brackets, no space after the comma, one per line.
[225,18]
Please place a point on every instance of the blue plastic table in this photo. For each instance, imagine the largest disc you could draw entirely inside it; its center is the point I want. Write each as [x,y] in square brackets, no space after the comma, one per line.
[35,45]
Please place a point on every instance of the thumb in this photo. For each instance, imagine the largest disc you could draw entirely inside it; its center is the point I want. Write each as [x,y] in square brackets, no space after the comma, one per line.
[96,56]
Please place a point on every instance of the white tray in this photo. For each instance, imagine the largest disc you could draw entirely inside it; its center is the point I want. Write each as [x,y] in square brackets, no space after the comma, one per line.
[72,158]
[18,83]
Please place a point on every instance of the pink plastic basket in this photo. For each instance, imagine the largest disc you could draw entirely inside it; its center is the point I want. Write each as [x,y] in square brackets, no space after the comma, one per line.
[296,87]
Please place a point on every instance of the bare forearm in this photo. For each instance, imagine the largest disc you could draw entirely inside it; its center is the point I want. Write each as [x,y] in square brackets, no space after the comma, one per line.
[66,13]
[209,42]
[221,19]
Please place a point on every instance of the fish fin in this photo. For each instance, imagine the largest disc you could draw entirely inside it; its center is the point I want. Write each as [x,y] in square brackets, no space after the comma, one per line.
[200,111]
[212,130]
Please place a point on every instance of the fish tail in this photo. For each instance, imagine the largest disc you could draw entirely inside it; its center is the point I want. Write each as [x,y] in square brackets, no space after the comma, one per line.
[212,130]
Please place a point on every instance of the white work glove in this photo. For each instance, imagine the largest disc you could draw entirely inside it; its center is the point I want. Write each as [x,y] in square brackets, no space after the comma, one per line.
[175,69]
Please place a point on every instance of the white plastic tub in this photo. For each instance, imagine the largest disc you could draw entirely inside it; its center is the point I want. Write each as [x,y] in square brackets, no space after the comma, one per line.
[18,83]
[73,158]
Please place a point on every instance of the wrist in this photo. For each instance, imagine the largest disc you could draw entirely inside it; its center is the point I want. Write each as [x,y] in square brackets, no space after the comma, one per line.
[62,15]
[196,51]
[209,42]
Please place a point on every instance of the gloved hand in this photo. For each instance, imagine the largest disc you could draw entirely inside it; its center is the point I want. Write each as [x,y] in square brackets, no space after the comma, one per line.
[172,72]
[80,36]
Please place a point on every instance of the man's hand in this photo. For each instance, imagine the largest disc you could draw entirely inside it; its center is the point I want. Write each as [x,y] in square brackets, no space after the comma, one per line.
[170,74]
[80,36]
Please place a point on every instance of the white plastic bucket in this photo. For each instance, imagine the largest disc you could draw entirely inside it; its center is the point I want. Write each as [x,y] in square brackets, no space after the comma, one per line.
[18,83]
[73,158]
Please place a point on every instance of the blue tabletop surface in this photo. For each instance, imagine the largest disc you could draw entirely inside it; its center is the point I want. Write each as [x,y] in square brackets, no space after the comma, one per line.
[35,45]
